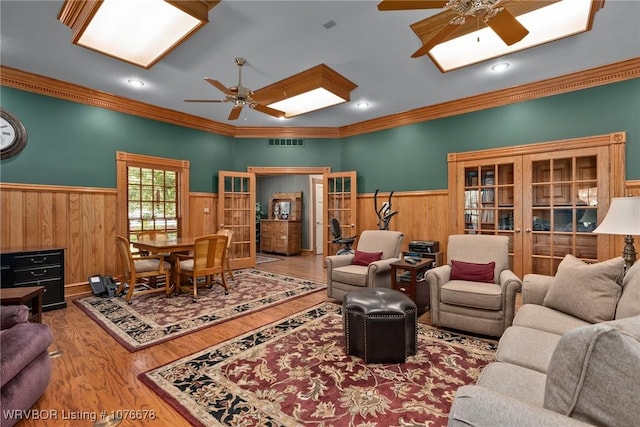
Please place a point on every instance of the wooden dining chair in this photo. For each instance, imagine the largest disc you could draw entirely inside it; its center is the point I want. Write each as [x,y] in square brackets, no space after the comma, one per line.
[227,263]
[208,260]
[140,272]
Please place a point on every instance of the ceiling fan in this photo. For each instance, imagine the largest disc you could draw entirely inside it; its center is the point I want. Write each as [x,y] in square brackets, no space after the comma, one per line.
[499,19]
[239,96]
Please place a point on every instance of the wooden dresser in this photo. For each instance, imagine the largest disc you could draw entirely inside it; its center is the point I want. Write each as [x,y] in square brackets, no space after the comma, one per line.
[280,236]
[282,232]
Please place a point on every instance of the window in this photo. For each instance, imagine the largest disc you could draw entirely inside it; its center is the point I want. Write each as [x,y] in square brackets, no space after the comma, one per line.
[152,202]
[152,195]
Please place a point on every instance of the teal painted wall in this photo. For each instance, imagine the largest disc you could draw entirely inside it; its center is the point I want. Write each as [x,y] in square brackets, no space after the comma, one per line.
[314,153]
[414,157]
[75,144]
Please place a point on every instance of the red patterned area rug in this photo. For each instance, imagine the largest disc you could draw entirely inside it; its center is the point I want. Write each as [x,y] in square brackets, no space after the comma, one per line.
[295,372]
[154,318]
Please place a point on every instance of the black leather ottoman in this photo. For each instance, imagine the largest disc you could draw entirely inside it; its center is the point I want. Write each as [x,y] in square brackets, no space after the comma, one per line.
[380,325]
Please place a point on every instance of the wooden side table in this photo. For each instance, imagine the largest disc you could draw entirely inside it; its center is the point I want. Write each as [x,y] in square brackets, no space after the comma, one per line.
[413,284]
[23,295]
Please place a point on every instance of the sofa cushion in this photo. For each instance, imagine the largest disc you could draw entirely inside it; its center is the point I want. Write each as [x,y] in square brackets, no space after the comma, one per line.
[20,345]
[11,315]
[472,271]
[628,305]
[366,258]
[515,381]
[546,319]
[472,294]
[594,374]
[526,347]
[587,291]
[355,275]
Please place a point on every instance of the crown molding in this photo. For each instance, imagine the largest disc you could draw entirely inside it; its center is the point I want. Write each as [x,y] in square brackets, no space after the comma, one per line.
[598,76]
[29,82]
[612,73]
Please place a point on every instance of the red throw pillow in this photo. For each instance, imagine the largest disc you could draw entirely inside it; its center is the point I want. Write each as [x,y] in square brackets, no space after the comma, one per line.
[366,258]
[472,272]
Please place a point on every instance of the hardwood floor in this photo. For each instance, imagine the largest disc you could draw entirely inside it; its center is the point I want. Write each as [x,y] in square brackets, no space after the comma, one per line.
[94,373]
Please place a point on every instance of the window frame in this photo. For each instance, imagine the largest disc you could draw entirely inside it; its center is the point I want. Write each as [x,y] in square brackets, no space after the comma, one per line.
[125,160]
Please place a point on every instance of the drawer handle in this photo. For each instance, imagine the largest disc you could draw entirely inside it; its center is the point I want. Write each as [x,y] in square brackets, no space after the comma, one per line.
[34,274]
[403,289]
[40,261]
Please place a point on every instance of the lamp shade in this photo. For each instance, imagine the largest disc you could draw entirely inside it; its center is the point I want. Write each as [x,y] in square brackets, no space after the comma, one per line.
[623,217]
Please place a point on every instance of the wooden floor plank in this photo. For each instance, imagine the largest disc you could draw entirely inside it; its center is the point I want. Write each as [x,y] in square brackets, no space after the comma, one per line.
[95,373]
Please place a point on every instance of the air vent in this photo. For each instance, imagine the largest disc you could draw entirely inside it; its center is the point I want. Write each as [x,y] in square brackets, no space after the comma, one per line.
[286,142]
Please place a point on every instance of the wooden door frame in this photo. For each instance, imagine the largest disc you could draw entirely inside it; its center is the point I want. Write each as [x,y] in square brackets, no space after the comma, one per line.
[279,170]
[288,170]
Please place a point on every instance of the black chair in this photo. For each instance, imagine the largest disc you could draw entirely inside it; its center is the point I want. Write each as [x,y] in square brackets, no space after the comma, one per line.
[336,231]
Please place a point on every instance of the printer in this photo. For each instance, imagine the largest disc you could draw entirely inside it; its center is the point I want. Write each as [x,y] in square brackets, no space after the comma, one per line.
[424,246]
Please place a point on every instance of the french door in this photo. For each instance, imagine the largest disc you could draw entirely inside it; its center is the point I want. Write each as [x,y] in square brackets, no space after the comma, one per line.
[237,212]
[340,193]
[547,198]
[566,195]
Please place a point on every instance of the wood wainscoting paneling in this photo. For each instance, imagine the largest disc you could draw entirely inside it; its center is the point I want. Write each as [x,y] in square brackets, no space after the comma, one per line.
[422,215]
[83,221]
[80,219]
[203,208]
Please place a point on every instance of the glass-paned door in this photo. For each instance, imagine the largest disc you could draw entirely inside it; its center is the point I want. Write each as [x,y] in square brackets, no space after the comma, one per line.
[566,204]
[237,212]
[489,203]
[340,193]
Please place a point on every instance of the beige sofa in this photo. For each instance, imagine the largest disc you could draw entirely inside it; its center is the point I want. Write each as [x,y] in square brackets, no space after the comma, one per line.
[556,369]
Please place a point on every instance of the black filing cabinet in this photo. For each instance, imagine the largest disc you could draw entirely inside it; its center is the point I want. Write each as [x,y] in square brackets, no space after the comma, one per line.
[40,267]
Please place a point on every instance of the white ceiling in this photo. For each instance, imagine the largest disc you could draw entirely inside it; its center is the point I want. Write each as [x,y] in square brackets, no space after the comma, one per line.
[280,38]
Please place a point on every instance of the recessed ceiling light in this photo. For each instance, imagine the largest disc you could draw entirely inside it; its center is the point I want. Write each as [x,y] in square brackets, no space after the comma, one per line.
[135,82]
[362,105]
[498,68]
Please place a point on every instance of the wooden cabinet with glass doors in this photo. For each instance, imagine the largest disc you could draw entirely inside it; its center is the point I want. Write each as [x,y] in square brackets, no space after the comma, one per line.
[489,205]
[547,198]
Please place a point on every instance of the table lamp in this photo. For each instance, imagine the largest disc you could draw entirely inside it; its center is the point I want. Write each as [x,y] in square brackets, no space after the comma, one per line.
[623,218]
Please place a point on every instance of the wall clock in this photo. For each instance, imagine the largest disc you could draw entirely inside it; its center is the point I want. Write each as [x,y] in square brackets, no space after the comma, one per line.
[13,135]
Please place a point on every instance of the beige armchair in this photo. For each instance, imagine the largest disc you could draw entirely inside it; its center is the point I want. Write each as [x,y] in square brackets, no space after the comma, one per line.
[482,308]
[344,277]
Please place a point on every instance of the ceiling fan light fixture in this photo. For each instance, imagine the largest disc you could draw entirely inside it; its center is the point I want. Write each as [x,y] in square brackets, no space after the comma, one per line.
[312,100]
[310,90]
[553,22]
[141,33]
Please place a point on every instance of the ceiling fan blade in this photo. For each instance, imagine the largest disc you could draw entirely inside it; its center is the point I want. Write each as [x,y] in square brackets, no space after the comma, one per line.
[222,88]
[268,110]
[409,4]
[438,38]
[204,100]
[507,27]
[235,113]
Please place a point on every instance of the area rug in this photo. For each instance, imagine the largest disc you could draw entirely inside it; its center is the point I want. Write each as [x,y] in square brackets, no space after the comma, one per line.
[295,372]
[261,259]
[153,318]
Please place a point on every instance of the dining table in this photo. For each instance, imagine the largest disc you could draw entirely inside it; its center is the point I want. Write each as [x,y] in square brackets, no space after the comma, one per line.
[167,246]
